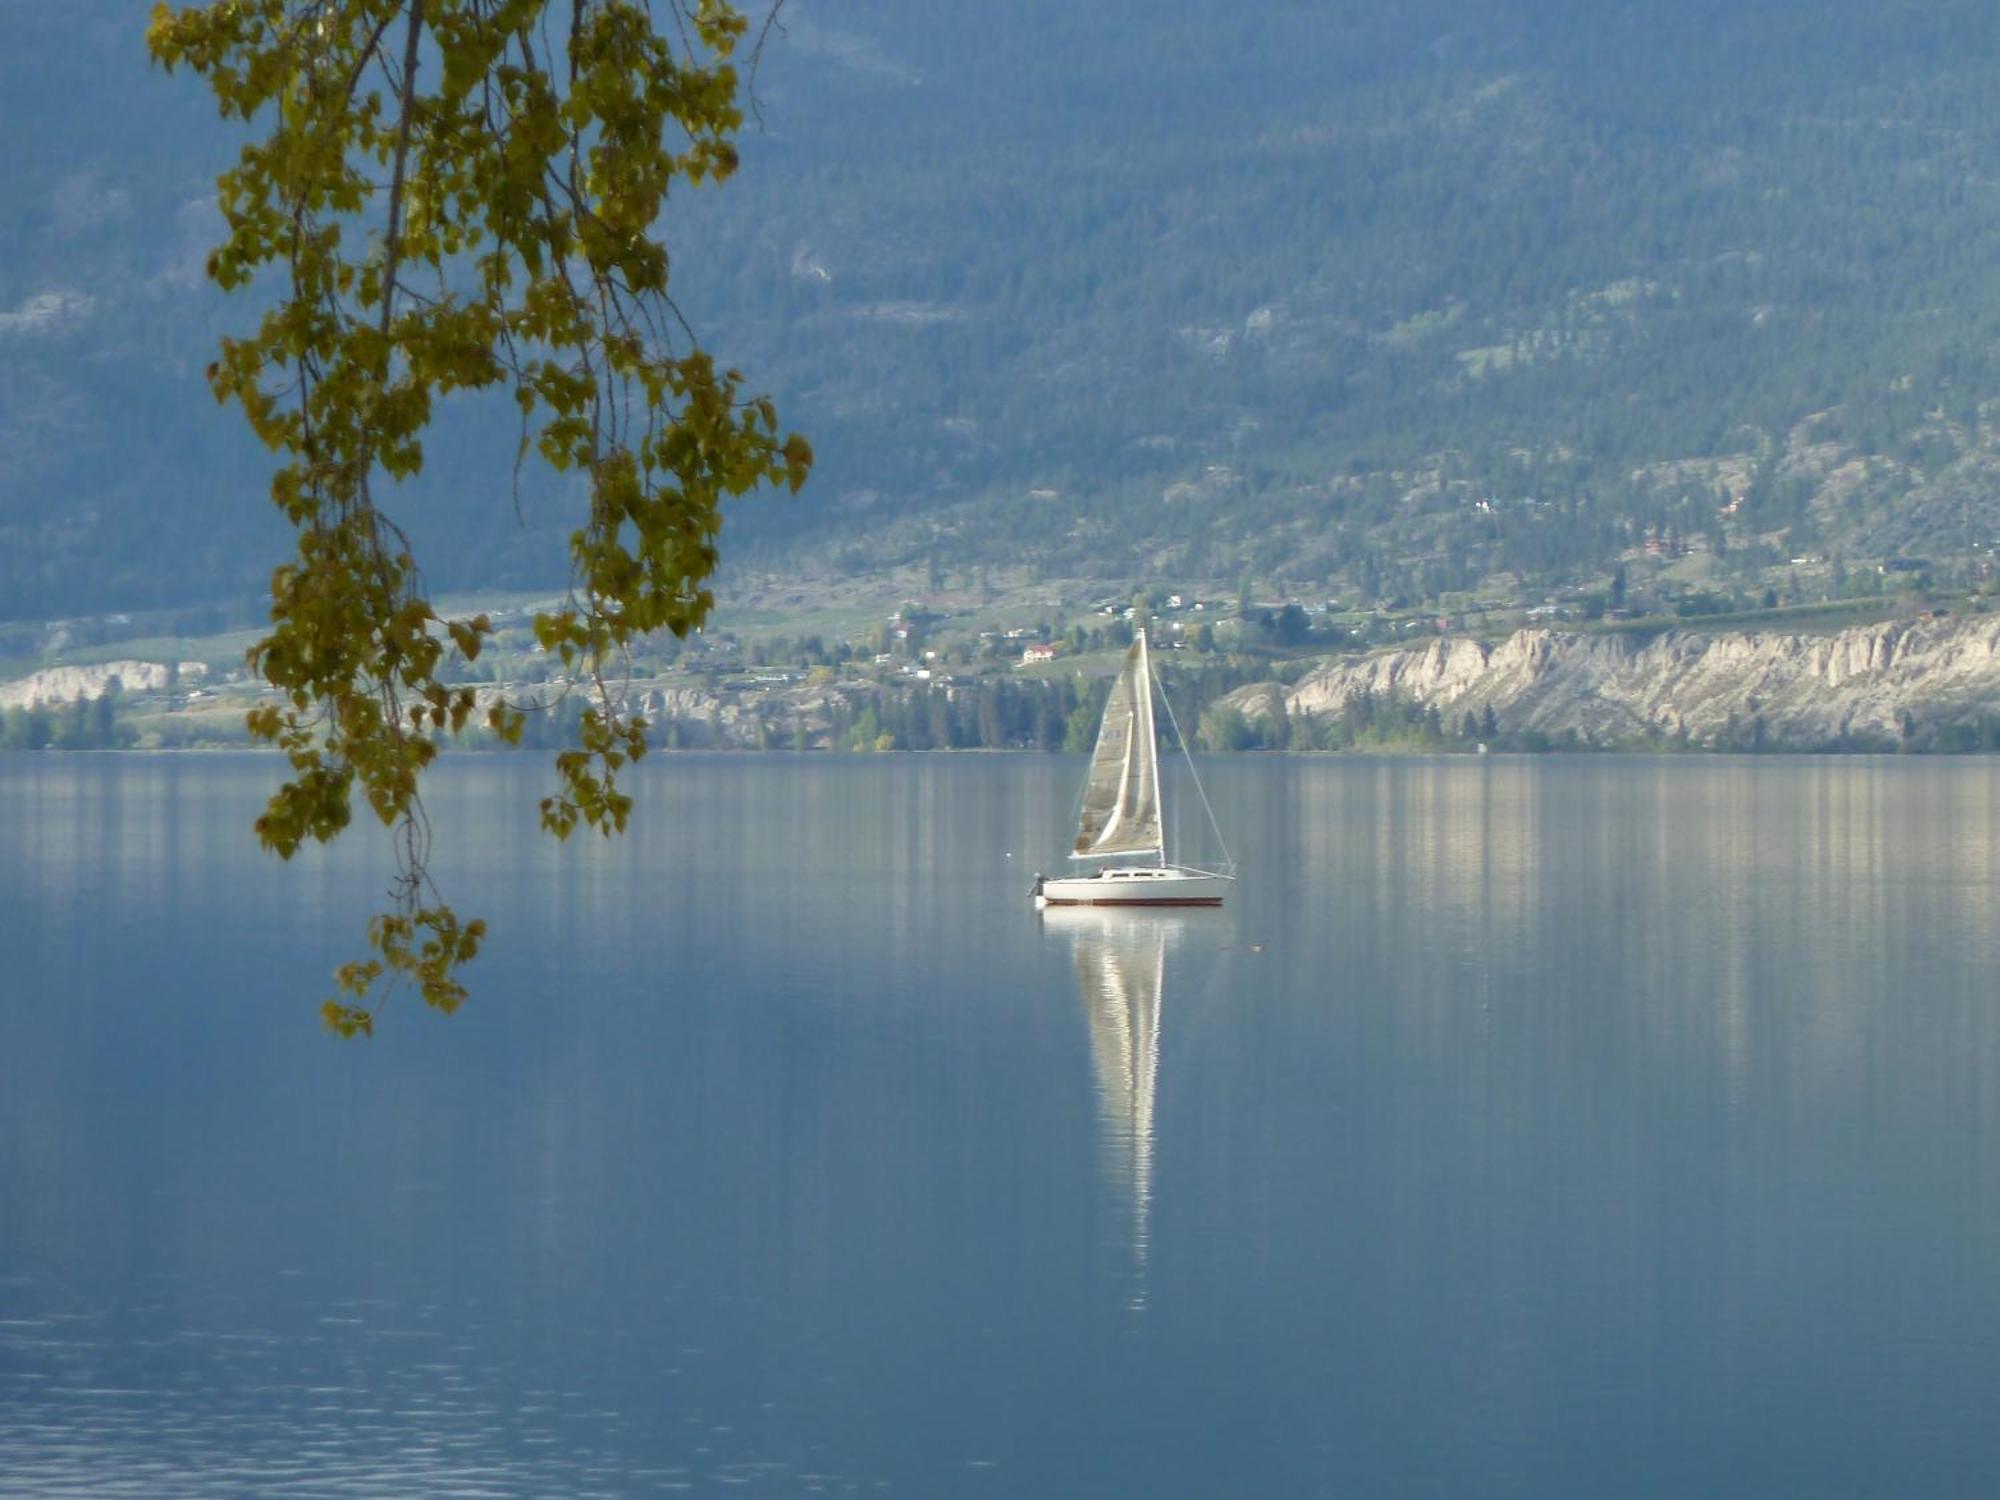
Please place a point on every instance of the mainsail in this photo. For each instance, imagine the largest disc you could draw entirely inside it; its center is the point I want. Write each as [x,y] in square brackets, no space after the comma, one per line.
[1121,801]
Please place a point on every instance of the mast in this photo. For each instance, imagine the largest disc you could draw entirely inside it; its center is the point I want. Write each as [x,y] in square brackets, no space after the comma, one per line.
[1150,736]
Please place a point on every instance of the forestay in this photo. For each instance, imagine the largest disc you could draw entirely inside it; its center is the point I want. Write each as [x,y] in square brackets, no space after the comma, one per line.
[1121,801]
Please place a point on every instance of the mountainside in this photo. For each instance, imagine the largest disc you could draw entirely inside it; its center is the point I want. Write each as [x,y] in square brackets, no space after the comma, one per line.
[1399,302]
[1870,686]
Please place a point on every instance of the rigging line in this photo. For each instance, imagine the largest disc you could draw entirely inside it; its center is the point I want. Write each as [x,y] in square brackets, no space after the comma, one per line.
[1188,756]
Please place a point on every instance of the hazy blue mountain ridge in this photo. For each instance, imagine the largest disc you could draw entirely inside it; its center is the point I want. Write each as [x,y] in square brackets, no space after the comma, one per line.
[1388,301]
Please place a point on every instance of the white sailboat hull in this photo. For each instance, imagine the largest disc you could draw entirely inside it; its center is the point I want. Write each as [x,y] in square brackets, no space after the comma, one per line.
[1134,885]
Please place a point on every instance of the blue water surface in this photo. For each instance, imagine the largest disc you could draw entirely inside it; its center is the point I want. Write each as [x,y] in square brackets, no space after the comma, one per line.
[1552,1126]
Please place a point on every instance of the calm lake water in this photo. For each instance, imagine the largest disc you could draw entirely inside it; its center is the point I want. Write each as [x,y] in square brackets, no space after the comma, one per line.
[1558,1126]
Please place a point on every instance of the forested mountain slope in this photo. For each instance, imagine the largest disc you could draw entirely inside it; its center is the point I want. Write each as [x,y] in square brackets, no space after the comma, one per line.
[1384,300]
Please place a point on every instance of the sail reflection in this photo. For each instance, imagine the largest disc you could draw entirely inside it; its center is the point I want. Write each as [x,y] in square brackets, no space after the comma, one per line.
[1121,972]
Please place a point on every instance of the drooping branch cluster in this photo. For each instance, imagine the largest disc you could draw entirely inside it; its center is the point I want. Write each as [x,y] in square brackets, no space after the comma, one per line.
[461,195]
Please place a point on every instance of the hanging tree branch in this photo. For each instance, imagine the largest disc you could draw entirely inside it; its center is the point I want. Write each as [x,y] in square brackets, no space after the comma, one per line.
[393,241]
[531,187]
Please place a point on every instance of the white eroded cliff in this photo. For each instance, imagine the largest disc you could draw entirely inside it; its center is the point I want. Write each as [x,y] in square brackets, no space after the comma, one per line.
[67,684]
[1806,689]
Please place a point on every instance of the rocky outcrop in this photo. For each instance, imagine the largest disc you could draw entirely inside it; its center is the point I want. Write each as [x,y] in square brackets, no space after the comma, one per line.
[1859,685]
[67,684]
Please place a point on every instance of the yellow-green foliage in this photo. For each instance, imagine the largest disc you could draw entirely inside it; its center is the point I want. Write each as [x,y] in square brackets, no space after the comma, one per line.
[463,194]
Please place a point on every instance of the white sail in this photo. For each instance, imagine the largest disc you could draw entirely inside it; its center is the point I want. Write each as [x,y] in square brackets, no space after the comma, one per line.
[1121,801]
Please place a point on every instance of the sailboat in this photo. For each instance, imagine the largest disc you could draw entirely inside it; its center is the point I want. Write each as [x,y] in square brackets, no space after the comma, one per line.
[1121,810]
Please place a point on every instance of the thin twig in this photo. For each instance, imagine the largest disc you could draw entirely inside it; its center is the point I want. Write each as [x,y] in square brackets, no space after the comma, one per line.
[406,108]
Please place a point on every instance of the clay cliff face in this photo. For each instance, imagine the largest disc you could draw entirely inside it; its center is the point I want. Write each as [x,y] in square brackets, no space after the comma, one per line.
[1809,690]
[66,684]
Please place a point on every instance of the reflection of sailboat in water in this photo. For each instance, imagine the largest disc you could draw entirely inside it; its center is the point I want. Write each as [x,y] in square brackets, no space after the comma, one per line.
[1121,971]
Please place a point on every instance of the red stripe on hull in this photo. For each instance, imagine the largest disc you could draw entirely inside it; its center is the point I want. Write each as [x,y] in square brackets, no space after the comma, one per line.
[1136,901]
